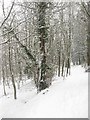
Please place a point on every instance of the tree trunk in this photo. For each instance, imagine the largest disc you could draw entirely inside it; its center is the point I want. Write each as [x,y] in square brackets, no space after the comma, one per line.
[11,72]
[3,74]
[88,36]
[59,64]
[69,39]
[63,67]
[68,67]
[20,70]
[42,31]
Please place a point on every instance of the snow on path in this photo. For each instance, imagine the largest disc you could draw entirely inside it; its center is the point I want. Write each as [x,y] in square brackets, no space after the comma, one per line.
[65,99]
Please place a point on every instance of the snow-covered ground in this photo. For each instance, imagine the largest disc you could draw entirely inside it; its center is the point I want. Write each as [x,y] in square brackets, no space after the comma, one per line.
[66,98]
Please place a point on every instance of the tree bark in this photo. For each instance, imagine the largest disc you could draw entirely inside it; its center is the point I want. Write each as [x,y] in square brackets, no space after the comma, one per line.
[3,74]
[59,60]
[88,37]
[42,31]
[11,72]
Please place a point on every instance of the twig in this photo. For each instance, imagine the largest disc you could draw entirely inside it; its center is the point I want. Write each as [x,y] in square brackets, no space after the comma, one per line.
[7,15]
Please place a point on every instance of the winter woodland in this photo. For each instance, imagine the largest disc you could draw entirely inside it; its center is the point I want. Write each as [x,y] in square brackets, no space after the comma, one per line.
[44,59]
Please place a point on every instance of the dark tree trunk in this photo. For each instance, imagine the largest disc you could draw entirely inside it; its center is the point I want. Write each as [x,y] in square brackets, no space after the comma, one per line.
[59,63]
[20,70]
[70,37]
[88,36]
[68,66]
[3,74]
[42,31]
[79,61]
[63,67]
[11,72]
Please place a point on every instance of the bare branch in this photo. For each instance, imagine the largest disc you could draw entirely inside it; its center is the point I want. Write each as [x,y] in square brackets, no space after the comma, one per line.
[7,15]
[83,4]
[3,8]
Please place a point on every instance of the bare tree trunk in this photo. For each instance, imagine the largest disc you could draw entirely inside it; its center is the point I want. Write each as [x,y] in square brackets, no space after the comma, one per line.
[6,68]
[59,61]
[20,71]
[63,66]
[3,75]
[11,72]
[42,30]
[3,70]
[88,36]
[69,41]
[68,66]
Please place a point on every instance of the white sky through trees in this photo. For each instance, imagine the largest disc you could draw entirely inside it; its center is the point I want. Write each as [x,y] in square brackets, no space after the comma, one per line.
[8,3]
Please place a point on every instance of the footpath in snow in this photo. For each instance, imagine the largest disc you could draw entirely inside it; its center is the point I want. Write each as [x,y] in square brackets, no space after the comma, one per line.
[66,98]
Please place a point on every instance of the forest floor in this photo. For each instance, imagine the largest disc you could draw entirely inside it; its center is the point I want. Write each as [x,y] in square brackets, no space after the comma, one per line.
[66,98]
